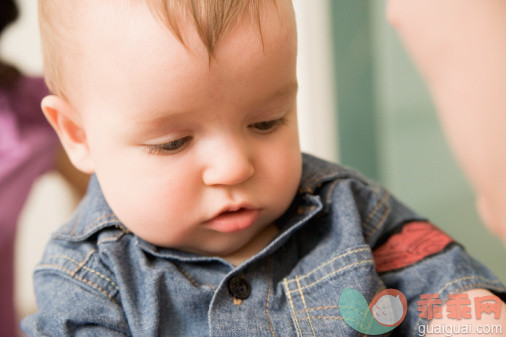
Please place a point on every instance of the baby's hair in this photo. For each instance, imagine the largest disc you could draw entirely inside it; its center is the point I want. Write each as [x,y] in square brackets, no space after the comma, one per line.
[211,19]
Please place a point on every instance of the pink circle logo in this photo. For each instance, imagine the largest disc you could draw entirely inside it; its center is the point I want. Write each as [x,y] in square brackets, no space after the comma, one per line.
[389,307]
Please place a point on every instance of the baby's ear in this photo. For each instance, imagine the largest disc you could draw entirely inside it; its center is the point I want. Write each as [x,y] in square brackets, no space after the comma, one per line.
[69,128]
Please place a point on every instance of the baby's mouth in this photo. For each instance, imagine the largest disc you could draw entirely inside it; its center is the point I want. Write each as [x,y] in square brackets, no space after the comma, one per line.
[226,214]
[230,221]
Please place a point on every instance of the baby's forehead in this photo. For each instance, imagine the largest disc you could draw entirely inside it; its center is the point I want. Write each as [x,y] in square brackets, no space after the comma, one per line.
[70,29]
[209,19]
[212,19]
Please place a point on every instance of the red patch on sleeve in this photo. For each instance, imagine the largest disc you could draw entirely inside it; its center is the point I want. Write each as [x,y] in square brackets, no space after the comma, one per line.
[416,241]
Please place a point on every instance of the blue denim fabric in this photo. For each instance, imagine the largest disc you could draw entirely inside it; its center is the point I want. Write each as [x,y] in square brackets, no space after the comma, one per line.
[98,279]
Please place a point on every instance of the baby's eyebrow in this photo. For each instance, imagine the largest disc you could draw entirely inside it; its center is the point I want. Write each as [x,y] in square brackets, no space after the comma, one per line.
[159,117]
[289,89]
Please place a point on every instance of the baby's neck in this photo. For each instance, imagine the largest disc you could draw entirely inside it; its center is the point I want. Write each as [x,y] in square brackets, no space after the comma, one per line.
[254,246]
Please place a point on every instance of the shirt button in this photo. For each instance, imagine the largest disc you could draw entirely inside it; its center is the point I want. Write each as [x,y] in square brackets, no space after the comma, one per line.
[239,287]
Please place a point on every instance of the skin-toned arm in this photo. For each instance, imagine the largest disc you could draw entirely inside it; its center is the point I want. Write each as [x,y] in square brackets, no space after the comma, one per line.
[460,50]
[479,326]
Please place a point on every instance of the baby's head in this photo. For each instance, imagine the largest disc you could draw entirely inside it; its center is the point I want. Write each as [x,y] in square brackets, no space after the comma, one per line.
[185,110]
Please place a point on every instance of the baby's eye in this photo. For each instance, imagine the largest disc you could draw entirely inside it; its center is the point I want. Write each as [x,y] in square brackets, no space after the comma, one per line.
[267,125]
[170,147]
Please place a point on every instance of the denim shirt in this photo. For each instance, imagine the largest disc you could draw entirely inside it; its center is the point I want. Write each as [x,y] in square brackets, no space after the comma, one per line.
[98,279]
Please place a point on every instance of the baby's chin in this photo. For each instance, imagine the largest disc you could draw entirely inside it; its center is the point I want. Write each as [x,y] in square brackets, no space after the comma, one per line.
[239,247]
[234,247]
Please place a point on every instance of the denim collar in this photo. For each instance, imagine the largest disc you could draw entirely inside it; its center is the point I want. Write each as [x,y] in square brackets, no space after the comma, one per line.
[94,215]
[91,216]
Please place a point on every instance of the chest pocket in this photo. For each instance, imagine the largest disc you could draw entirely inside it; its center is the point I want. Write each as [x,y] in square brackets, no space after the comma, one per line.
[314,296]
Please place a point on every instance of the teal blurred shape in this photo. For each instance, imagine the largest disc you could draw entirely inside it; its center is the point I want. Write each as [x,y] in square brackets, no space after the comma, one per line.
[355,312]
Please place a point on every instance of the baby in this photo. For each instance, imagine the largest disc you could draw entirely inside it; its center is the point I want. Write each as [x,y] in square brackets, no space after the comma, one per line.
[203,217]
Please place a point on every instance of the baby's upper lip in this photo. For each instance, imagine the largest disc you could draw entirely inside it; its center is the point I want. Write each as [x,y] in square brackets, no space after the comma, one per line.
[233,208]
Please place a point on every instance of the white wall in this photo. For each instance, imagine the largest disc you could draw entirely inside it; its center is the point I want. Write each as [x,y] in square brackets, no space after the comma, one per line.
[316,101]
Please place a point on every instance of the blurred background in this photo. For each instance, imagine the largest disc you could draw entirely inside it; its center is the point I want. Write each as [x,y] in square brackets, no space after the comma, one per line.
[361,103]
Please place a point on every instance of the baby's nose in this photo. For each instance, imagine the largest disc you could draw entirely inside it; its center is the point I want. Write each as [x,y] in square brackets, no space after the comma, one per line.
[231,166]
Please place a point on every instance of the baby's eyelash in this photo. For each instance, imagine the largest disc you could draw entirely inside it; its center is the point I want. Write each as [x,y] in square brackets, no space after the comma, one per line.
[268,126]
[178,145]
[168,148]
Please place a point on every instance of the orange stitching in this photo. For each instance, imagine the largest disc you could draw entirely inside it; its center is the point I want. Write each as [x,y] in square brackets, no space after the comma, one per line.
[331,190]
[73,275]
[370,261]
[305,306]
[195,283]
[288,293]
[357,250]
[113,238]
[86,259]
[86,268]
[76,222]
[324,317]
[381,221]
[192,280]
[376,209]
[318,308]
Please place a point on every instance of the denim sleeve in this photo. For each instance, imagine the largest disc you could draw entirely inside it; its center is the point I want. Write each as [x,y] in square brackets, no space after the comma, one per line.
[434,264]
[71,303]
[449,272]
[419,258]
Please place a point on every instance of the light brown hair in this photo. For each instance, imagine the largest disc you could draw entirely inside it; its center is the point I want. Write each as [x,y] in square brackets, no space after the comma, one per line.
[211,19]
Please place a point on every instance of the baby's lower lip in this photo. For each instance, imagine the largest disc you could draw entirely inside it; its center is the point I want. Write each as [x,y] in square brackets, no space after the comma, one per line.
[234,221]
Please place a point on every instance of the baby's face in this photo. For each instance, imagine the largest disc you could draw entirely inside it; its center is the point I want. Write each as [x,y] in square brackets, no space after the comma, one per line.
[191,155]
